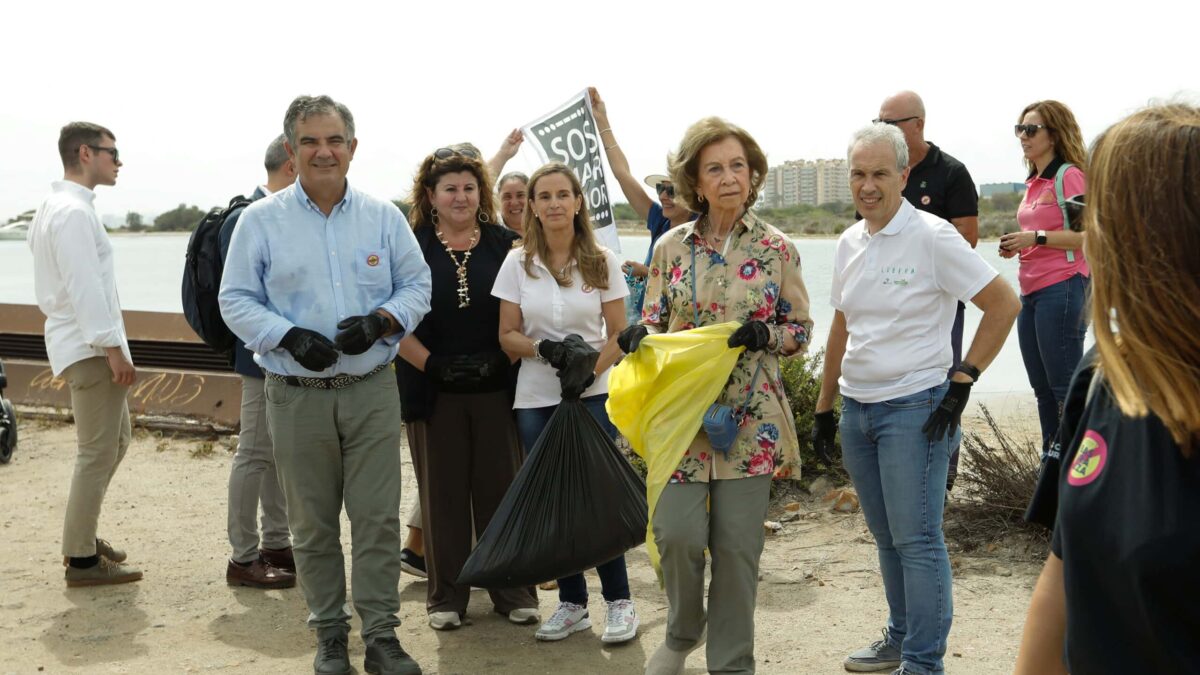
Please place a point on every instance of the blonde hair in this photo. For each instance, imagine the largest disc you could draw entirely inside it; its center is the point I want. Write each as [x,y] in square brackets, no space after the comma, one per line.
[684,164]
[1063,129]
[584,248]
[1143,235]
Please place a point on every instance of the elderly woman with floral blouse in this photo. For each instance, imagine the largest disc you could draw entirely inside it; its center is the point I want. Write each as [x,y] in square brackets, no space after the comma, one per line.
[737,268]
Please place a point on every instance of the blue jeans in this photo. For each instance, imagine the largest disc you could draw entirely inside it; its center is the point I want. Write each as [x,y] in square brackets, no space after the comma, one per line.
[614,578]
[1051,328]
[901,478]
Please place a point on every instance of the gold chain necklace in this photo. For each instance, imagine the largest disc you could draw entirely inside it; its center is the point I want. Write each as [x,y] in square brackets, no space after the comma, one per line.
[464,298]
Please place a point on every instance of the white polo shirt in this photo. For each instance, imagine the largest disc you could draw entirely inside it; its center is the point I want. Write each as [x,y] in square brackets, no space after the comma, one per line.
[898,290]
[551,312]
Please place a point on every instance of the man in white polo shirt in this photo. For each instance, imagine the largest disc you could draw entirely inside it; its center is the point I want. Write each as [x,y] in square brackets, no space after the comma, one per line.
[85,341]
[897,276]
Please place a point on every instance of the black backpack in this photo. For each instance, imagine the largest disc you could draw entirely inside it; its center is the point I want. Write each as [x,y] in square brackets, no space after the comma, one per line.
[202,278]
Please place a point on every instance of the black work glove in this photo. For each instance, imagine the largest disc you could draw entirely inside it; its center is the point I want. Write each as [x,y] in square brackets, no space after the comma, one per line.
[823,435]
[358,333]
[631,337]
[465,372]
[554,351]
[949,413]
[310,349]
[579,365]
[753,335]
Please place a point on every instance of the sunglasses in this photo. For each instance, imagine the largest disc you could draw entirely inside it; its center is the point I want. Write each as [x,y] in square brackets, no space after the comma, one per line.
[1029,130]
[884,120]
[447,153]
[112,151]
[661,188]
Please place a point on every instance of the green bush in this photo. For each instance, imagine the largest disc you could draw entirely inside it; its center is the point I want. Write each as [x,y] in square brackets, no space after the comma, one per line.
[802,384]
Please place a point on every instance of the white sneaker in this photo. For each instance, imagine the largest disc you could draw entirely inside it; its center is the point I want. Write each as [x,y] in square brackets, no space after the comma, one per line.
[524,615]
[444,620]
[621,622]
[568,618]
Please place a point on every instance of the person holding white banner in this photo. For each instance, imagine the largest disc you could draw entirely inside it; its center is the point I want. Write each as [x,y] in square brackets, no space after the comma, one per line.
[659,216]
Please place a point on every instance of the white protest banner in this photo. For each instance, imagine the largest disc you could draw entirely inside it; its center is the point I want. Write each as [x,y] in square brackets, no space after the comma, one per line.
[568,134]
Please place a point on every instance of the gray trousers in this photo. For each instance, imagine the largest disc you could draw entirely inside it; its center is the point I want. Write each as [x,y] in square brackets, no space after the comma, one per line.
[102,429]
[252,481]
[726,517]
[335,447]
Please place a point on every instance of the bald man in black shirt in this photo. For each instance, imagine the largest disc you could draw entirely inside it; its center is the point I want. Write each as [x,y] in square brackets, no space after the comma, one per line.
[938,184]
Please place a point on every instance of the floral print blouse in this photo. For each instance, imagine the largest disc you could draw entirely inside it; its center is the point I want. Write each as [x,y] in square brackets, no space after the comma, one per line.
[761,280]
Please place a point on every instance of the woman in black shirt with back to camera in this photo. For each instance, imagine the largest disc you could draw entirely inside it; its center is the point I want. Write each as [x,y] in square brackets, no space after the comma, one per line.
[1119,592]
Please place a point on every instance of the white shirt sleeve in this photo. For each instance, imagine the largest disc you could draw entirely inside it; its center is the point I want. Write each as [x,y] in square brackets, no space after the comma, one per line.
[957,268]
[509,278]
[75,252]
[616,279]
[835,286]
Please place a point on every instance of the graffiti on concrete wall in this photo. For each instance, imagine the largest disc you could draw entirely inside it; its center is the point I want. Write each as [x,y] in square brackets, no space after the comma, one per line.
[152,391]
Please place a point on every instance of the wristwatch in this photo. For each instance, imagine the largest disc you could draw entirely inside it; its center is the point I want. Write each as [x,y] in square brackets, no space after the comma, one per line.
[968,370]
[1041,237]
[537,351]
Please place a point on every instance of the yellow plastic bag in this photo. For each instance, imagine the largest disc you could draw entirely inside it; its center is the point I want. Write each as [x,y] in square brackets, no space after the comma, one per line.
[657,397]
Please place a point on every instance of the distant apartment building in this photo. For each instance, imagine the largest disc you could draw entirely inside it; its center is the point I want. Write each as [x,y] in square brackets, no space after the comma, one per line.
[989,189]
[807,181]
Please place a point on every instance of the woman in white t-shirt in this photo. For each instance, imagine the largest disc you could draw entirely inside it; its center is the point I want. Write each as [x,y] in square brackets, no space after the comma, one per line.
[562,282]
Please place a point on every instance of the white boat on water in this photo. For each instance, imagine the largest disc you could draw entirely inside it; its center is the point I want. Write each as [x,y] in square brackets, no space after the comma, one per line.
[15,231]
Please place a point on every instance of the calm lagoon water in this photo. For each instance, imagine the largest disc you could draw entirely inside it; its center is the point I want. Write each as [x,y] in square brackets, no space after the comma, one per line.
[150,268]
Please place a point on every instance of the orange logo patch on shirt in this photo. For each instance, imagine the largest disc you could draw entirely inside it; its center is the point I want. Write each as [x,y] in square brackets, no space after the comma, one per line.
[372,260]
[1089,460]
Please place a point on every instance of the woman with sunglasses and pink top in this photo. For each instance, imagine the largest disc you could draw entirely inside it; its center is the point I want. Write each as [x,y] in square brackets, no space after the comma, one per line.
[1053,273]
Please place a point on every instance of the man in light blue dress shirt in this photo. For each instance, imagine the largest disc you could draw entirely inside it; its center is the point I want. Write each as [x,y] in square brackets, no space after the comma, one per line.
[321,282]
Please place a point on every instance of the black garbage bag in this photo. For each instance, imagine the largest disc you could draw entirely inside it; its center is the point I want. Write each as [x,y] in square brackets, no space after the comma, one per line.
[576,503]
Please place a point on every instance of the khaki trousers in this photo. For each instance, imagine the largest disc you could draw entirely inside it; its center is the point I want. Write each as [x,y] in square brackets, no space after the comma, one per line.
[253,480]
[101,410]
[466,455]
[726,517]
[335,447]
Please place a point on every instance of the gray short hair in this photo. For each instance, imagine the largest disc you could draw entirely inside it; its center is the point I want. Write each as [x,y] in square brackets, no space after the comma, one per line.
[276,155]
[303,106]
[881,133]
[512,175]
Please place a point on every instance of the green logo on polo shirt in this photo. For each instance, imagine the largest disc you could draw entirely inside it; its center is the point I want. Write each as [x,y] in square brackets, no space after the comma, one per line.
[897,275]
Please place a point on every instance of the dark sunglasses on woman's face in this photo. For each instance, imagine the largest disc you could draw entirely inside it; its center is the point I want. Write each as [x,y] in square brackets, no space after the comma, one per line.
[1029,130]
[661,188]
[447,153]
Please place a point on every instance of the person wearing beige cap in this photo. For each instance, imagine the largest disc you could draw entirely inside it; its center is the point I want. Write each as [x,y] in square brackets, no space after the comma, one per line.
[660,216]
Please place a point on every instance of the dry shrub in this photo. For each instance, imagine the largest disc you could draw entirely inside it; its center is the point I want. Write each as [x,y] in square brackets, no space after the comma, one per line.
[994,486]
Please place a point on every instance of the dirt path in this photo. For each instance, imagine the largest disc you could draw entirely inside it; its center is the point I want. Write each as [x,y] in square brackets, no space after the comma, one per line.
[820,595]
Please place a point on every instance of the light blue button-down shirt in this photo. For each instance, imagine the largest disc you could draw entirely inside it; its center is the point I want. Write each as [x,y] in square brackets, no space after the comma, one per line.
[290,265]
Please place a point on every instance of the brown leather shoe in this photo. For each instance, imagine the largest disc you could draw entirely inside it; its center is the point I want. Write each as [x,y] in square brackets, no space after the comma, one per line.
[279,558]
[258,574]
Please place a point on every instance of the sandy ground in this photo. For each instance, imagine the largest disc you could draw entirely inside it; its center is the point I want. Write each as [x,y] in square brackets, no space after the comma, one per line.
[821,595]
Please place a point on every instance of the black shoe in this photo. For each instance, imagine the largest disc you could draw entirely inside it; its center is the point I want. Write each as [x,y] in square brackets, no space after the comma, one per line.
[332,658]
[385,656]
[412,563]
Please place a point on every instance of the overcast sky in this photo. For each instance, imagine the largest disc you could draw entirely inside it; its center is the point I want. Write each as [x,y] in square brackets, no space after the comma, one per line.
[195,91]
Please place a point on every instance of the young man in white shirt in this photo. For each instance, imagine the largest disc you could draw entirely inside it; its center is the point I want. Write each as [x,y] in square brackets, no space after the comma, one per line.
[897,276]
[85,341]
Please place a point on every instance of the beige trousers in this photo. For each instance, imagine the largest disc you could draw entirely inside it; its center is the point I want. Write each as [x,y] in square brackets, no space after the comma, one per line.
[102,428]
